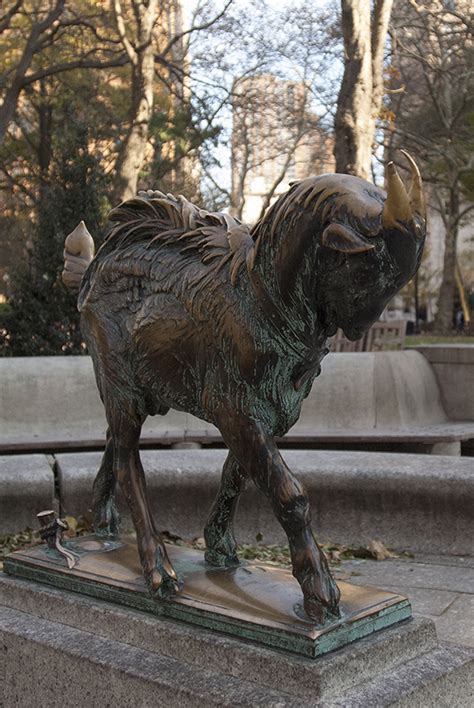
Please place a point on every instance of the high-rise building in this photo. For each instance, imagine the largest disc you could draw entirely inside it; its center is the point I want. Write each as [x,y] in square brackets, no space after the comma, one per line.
[276,139]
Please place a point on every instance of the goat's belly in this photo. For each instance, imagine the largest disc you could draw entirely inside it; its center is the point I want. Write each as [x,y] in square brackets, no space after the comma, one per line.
[175,370]
[169,380]
[185,365]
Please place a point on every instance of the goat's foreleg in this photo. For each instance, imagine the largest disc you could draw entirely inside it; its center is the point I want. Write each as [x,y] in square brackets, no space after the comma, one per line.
[221,548]
[258,454]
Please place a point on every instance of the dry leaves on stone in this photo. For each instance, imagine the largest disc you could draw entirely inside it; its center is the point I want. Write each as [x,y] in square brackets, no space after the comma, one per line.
[22,539]
[379,551]
[273,554]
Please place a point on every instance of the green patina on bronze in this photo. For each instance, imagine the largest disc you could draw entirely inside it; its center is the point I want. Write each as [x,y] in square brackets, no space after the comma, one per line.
[186,309]
[228,601]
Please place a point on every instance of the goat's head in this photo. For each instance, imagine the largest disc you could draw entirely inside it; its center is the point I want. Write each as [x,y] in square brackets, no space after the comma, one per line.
[370,244]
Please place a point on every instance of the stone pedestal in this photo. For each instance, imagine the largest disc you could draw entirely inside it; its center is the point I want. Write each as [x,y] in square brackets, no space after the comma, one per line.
[76,645]
[253,601]
[60,647]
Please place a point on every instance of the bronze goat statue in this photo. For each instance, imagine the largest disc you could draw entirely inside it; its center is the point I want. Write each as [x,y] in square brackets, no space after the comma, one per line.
[191,310]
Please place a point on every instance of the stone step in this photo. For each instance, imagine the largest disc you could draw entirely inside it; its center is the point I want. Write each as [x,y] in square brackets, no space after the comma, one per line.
[411,502]
[65,663]
[27,486]
[442,678]
[406,659]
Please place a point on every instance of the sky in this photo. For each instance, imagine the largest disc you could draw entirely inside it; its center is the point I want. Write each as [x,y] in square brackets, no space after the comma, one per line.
[222,173]
[189,5]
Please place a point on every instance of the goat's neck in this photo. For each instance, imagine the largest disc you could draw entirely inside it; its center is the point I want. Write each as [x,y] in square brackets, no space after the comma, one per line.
[283,274]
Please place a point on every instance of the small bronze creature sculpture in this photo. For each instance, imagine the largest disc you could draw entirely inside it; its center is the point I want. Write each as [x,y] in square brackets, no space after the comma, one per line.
[186,309]
[51,531]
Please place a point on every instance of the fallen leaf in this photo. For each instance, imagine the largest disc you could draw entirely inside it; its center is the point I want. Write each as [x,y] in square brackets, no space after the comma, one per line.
[379,551]
[171,537]
[70,532]
[71,522]
[359,552]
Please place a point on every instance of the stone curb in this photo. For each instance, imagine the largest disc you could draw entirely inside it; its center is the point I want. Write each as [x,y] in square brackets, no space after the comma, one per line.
[412,502]
[26,487]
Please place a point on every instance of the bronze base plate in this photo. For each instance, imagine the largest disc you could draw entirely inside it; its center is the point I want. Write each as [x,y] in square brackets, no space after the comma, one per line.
[253,601]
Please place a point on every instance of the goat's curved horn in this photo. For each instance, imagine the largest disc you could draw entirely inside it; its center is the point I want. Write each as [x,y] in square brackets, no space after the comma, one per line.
[415,193]
[397,205]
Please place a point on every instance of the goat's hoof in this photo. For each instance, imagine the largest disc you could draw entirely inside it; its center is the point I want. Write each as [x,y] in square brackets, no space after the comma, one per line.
[221,560]
[161,585]
[161,578]
[320,592]
[320,613]
[221,548]
[156,581]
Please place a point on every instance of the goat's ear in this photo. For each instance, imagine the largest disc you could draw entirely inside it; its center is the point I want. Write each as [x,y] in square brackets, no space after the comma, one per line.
[342,238]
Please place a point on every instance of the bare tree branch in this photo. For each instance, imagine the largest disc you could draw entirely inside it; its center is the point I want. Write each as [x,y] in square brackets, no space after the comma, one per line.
[120,25]
[196,28]
[8,16]
[84,63]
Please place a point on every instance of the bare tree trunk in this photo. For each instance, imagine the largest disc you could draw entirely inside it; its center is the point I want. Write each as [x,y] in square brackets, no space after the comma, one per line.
[353,146]
[142,56]
[444,315]
[45,118]
[361,92]
[132,152]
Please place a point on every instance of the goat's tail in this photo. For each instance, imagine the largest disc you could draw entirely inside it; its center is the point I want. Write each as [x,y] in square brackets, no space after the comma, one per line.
[78,253]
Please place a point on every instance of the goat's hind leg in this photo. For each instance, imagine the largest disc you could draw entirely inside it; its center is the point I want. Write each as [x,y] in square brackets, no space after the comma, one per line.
[221,548]
[106,517]
[125,427]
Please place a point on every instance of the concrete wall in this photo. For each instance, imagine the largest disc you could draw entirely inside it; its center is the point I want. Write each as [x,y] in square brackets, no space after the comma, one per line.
[366,390]
[56,398]
[453,365]
[414,502]
[27,486]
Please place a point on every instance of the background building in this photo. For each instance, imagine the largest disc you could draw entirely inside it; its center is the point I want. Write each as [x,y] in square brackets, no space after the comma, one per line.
[276,139]
[431,116]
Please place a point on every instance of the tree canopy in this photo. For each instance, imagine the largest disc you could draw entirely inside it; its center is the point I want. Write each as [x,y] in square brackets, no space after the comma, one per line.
[101,97]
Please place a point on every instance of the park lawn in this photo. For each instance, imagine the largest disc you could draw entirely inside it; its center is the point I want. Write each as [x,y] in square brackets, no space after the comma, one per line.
[417,340]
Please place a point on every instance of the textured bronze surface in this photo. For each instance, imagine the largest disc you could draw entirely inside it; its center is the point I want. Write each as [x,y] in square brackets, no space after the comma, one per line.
[252,600]
[51,531]
[186,309]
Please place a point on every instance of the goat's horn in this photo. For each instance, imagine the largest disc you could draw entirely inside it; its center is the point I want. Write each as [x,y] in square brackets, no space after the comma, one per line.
[415,193]
[397,205]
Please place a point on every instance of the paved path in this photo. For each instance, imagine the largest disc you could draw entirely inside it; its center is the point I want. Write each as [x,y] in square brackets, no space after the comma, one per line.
[439,587]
